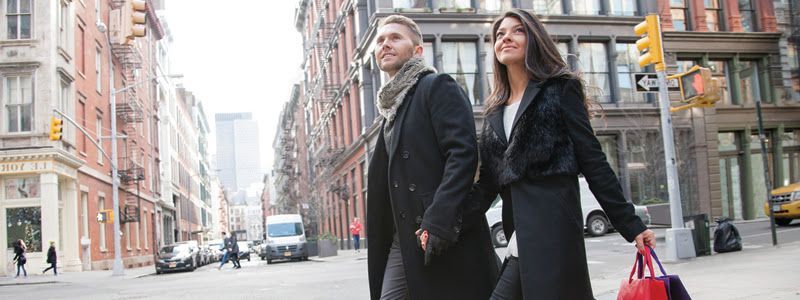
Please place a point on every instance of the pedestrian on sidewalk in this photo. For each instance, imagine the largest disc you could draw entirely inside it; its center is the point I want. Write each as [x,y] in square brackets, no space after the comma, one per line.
[19,257]
[426,241]
[355,230]
[225,249]
[51,258]
[536,140]
[234,249]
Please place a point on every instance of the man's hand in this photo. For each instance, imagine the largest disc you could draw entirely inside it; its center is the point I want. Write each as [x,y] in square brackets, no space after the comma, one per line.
[646,238]
[431,244]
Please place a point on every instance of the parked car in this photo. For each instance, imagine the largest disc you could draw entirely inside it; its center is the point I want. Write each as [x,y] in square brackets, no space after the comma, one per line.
[286,238]
[194,246]
[176,257]
[596,222]
[786,204]
[244,250]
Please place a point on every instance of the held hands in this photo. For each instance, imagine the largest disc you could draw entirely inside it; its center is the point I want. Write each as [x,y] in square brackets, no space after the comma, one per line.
[431,244]
[646,238]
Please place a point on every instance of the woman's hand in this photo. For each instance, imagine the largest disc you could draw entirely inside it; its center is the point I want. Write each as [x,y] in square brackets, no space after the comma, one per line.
[646,238]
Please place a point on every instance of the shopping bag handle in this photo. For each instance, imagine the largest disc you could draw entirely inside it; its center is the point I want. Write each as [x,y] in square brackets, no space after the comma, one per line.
[658,261]
[642,258]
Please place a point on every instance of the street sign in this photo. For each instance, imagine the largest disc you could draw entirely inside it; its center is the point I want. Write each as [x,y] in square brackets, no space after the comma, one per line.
[648,82]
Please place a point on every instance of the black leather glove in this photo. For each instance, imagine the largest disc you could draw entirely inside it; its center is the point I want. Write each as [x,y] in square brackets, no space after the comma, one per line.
[434,246]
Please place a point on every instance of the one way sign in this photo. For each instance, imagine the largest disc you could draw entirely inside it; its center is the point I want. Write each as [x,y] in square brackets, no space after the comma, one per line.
[648,82]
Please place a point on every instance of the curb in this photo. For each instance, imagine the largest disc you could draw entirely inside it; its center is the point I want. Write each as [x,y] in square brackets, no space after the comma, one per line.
[28,283]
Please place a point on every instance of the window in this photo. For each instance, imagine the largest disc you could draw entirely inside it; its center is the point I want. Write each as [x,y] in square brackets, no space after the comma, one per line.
[18,16]
[748,76]
[409,3]
[678,9]
[495,5]
[19,103]
[628,63]
[63,24]
[25,223]
[138,237]
[22,188]
[719,70]
[714,15]
[427,53]
[748,13]
[563,49]
[80,60]
[452,3]
[586,7]
[548,7]
[84,214]
[608,143]
[459,59]
[127,235]
[144,229]
[98,127]
[98,70]
[64,106]
[101,205]
[594,66]
[622,7]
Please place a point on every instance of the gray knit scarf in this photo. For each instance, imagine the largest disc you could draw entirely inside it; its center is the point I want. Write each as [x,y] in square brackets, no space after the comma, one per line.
[391,94]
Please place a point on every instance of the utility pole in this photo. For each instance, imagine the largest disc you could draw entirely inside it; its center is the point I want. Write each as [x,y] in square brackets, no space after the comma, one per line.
[763,137]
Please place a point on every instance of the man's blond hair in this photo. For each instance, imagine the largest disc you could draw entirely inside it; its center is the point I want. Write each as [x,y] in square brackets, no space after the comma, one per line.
[416,34]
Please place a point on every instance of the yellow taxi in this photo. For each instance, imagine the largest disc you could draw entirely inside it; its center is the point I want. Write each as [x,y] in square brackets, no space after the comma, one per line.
[785,204]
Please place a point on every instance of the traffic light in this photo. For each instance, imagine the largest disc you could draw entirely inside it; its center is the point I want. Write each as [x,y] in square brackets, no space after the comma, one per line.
[138,18]
[105,216]
[650,29]
[56,128]
[698,88]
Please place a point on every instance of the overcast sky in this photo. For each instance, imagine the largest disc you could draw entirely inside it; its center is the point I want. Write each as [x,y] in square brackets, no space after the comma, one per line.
[238,56]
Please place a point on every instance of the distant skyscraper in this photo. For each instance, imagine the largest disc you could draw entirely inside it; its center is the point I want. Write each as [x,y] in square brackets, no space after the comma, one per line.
[238,150]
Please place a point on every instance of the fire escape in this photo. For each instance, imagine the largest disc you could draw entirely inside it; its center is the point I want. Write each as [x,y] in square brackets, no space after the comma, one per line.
[794,38]
[130,115]
[325,87]
[289,159]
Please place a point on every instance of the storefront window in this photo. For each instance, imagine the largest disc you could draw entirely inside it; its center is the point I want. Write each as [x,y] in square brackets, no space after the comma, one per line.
[757,171]
[25,223]
[749,81]
[495,5]
[22,188]
[488,65]
[622,7]
[548,7]
[609,145]
[459,59]
[791,156]
[628,63]
[594,66]
[452,3]
[586,7]
[409,3]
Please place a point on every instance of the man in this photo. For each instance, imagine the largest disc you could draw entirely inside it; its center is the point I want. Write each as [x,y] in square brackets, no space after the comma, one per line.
[225,243]
[420,175]
[355,230]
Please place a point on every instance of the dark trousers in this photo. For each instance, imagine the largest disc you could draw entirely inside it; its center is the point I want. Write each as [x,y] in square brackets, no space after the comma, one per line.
[357,241]
[235,260]
[52,266]
[510,285]
[21,266]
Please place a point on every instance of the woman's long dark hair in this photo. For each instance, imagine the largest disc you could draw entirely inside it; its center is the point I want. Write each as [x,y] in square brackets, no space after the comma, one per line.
[542,59]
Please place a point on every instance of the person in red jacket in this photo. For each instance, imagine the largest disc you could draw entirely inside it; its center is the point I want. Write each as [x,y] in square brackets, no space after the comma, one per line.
[355,230]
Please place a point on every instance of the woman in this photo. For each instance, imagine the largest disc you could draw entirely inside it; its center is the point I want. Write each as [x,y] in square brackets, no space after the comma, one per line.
[19,257]
[536,140]
[52,258]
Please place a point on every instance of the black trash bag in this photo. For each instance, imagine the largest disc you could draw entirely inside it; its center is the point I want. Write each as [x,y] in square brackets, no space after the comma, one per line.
[726,237]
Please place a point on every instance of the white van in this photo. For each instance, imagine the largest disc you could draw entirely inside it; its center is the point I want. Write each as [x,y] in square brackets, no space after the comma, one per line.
[286,238]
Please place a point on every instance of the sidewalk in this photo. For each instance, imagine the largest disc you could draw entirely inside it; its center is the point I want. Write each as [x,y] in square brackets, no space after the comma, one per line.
[35,276]
[764,273]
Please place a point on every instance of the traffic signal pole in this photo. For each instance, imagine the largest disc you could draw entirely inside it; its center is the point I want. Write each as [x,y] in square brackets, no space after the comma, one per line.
[680,244]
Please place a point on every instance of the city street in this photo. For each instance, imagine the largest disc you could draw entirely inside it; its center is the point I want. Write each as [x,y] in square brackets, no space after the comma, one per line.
[758,272]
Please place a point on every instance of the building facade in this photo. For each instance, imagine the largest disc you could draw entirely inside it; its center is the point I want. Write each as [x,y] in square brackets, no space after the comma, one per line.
[749,45]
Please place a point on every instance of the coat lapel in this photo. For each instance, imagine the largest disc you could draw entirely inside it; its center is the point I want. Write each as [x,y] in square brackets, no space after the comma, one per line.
[398,125]
[527,98]
[496,122]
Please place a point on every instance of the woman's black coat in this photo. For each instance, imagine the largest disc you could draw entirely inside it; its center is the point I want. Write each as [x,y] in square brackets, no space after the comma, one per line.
[51,255]
[424,180]
[536,173]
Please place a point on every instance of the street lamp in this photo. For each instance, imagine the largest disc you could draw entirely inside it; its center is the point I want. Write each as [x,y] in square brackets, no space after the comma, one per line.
[118,269]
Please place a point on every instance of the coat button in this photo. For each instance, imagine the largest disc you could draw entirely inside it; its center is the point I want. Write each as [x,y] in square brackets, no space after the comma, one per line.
[395,184]
[403,215]
[405,155]
[412,187]
[418,220]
